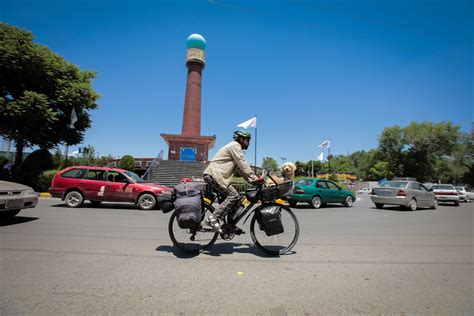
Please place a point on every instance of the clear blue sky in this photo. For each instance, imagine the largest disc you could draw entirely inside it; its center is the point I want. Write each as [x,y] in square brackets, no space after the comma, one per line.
[310,70]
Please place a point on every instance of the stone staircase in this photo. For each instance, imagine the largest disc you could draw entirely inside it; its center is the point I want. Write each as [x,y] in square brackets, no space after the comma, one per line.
[170,172]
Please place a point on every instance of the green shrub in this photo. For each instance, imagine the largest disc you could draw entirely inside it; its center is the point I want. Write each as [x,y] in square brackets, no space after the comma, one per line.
[43,182]
[34,165]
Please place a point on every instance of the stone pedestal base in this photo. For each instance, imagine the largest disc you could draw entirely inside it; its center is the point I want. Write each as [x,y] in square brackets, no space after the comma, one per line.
[188,148]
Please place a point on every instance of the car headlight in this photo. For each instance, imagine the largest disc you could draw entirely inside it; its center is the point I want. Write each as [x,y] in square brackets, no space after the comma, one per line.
[167,192]
[28,192]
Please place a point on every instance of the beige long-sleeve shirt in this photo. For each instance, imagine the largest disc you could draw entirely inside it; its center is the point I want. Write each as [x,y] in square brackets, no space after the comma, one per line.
[224,164]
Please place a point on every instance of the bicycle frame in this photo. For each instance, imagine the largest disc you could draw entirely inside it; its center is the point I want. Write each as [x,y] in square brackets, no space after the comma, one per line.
[247,210]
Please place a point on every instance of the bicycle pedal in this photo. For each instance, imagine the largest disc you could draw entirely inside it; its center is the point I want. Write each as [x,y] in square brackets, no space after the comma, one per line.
[239,231]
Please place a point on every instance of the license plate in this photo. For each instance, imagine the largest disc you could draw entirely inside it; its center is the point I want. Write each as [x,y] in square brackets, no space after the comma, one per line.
[384,192]
[14,203]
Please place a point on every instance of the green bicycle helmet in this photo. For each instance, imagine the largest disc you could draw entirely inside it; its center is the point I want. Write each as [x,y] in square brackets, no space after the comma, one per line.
[241,133]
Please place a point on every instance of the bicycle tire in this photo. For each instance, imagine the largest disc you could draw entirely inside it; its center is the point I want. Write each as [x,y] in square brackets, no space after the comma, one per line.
[278,244]
[205,237]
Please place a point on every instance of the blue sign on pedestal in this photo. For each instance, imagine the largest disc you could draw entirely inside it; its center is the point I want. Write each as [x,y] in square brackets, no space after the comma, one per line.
[187,154]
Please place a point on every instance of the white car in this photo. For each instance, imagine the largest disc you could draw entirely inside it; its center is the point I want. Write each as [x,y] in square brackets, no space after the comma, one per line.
[365,190]
[14,197]
[445,193]
[464,195]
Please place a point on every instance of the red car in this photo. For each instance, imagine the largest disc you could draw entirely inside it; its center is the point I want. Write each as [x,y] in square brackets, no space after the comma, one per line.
[100,184]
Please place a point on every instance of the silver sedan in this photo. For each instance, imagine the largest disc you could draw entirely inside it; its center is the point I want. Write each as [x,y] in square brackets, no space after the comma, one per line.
[14,197]
[409,194]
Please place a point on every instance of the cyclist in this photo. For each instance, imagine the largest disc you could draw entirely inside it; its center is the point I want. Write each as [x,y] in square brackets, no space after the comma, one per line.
[220,170]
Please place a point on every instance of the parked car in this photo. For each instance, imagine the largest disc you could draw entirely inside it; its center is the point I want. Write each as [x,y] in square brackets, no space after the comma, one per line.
[464,195]
[446,193]
[100,184]
[318,192]
[409,194]
[14,197]
[364,190]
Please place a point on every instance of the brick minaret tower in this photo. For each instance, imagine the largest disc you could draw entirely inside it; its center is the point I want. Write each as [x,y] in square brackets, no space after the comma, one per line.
[190,145]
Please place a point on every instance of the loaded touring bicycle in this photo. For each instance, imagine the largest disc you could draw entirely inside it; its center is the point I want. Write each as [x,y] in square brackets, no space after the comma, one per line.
[274,228]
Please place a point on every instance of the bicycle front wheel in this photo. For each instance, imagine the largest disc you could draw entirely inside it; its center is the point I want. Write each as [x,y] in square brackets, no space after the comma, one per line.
[192,241]
[277,244]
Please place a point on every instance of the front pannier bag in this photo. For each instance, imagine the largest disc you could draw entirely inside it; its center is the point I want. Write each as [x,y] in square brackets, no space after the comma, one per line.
[270,218]
[188,204]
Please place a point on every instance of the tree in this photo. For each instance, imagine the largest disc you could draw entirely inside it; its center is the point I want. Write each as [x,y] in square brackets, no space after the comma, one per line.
[379,171]
[269,164]
[58,159]
[38,92]
[362,162]
[127,162]
[464,156]
[314,165]
[415,150]
[34,165]
[390,149]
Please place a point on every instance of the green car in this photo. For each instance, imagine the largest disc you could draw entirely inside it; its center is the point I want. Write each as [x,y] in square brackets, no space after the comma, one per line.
[317,192]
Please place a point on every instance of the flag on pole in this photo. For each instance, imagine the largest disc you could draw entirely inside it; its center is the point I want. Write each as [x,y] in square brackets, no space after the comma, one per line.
[73,118]
[249,123]
[325,144]
[321,157]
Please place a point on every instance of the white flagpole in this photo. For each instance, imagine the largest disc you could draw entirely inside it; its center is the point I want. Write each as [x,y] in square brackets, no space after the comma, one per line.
[329,159]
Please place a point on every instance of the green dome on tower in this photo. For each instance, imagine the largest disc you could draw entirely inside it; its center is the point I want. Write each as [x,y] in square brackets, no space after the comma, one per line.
[196,41]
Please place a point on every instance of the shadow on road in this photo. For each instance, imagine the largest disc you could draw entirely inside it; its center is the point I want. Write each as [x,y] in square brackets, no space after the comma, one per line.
[16,220]
[217,250]
[305,206]
[399,209]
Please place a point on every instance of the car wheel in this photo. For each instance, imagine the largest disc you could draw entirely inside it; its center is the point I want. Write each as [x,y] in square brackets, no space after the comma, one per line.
[292,203]
[378,205]
[349,202]
[413,205]
[456,203]
[147,201]
[96,203]
[316,202]
[435,204]
[74,199]
[9,214]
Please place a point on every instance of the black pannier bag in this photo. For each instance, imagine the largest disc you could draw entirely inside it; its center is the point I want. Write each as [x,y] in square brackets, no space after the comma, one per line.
[188,204]
[270,219]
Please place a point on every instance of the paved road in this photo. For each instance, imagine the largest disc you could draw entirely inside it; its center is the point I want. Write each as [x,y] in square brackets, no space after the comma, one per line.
[119,260]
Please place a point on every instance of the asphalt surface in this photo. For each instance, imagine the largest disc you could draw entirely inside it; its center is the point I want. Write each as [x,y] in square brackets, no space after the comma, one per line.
[115,259]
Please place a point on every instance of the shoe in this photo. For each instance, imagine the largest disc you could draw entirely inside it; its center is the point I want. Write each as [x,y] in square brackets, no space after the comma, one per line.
[214,223]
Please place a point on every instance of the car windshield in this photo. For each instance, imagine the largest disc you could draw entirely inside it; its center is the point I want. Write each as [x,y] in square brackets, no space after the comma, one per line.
[134,176]
[442,187]
[459,188]
[394,184]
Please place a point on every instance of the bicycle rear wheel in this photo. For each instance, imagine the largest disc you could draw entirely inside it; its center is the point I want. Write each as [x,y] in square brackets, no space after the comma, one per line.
[277,244]
[192,241]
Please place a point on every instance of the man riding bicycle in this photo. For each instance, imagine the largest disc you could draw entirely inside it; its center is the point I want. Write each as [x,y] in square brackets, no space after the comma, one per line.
[221,169]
